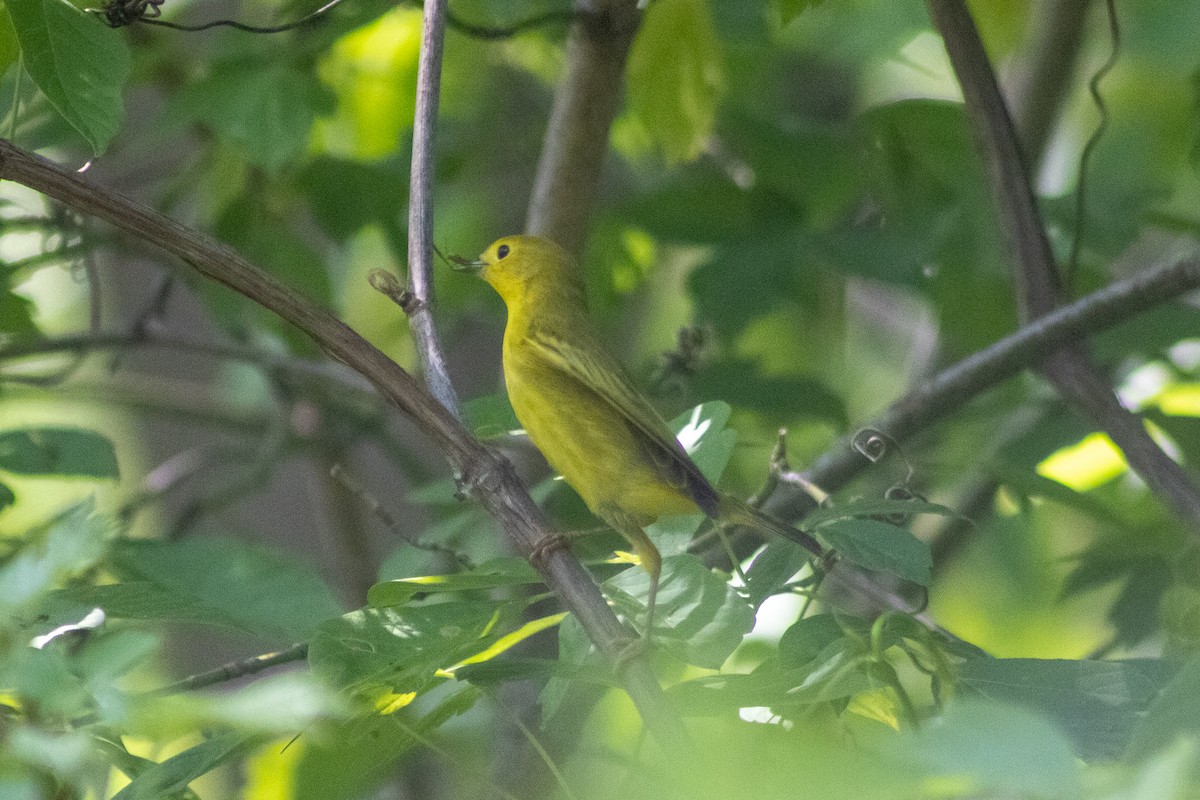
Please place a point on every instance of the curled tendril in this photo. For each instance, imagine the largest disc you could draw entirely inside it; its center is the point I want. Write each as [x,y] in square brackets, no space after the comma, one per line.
[871,444]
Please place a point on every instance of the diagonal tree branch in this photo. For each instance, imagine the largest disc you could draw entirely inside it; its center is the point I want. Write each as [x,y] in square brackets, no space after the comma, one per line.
[1039,286]
[953,387]
[490,478]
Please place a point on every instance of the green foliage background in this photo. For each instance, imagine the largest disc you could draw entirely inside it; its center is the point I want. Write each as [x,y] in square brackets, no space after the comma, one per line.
[795,181]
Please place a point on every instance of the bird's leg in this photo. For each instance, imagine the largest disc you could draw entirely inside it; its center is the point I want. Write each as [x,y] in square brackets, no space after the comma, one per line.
[647,554]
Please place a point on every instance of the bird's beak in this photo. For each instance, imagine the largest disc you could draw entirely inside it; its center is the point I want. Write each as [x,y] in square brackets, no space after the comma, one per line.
[460,264]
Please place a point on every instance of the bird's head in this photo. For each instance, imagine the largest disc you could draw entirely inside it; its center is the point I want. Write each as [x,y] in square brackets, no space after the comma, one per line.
[518,266]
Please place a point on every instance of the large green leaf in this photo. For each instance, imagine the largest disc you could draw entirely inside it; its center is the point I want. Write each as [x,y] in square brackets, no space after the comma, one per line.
[698,613]
[986,746]
[675,76]
[879,546]
[267,110]
[174,774]
[256,588]
[1174,714]
[1095,703]
[79,63]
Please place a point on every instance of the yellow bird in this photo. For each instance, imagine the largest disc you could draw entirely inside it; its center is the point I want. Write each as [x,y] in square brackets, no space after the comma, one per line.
[583,413]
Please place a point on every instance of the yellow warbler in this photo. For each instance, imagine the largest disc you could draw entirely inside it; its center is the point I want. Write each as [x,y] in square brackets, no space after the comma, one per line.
[584,414]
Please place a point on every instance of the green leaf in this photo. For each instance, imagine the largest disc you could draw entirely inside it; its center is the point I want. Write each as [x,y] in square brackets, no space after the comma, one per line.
[267,109]
[398,651]
[808,638]
[675,76]
[491,416]
[352,757]
[788,10]
[780,398]
[174,774]
[138,600]
[79,64]
[74,543]
[775,564]
[7,497]
[503,572]
[1174,713]
[701,616]
[16,315]
[988,746]
[880,546]
[259,589]
[10,48]
[1095,703]
[58,451]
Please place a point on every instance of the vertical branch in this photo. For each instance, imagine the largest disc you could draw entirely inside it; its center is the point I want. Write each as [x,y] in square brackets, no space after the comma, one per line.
[576,142]
[420,207]
[1039,286]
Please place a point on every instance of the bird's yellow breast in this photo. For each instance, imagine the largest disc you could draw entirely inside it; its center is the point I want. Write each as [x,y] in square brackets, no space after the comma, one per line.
[585,439]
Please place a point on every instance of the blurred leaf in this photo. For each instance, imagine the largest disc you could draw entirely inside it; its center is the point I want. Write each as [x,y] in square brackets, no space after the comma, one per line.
[744,280]
[505,572]
[698,203]
[79,63]
[880,546]
[352,757]
[273,243]
[700,614]
[675,76]
[987,746]
[138,600]
[1184,431]
[73,543]
[10,48]
[1095,703]
[58,451]
[7,497]
[174,774]
[1173,714]
[16,315]
[259,589]
[266,109]
[271,706]
[780,398]
[347,196]
[788,10]
[491,415]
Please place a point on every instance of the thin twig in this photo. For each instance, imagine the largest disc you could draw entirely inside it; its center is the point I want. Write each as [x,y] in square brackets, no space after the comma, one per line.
[420,208]
[234,669]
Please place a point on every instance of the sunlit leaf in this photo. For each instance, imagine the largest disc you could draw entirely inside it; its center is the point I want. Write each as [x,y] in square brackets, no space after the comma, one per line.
[79,63]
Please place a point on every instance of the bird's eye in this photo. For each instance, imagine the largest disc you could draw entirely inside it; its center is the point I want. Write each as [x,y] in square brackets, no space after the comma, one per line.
[502,251]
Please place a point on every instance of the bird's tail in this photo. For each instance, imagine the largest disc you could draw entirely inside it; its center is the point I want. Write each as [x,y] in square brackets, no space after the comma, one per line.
[732,511]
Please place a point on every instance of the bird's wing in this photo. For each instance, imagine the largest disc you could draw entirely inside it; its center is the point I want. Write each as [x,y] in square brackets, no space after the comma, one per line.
[594,368]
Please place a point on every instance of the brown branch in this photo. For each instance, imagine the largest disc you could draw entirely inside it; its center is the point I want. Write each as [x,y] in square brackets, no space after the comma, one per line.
[576,142]
[489,477]
[1039,286]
